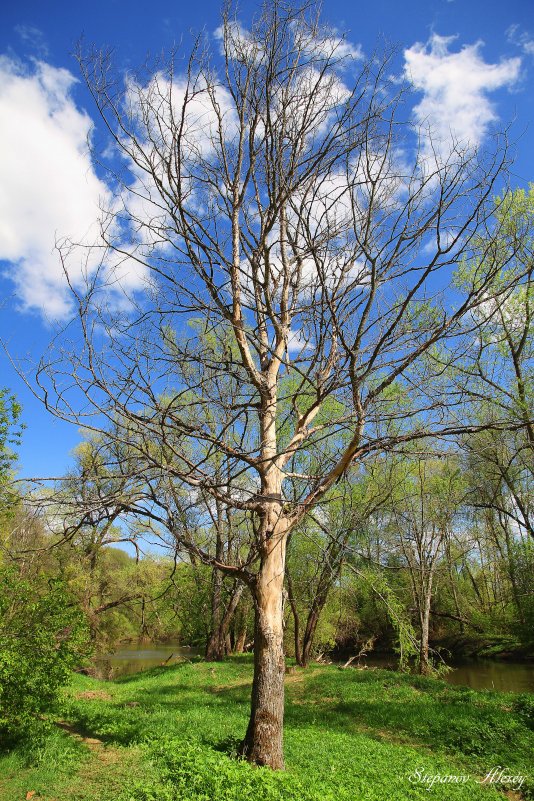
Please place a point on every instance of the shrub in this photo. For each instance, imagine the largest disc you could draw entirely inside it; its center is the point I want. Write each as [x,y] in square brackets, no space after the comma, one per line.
[43,635]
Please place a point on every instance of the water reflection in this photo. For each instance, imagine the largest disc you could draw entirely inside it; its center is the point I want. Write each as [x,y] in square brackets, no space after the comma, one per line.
[133,657]
[491,675]
[476,674]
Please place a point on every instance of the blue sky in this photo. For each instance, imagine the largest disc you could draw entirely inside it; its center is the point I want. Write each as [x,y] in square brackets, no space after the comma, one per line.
[472,64]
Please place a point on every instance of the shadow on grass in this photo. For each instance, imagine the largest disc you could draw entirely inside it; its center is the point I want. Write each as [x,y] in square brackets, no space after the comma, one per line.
[229,745]
[199,702]
[415,711]
[211,701]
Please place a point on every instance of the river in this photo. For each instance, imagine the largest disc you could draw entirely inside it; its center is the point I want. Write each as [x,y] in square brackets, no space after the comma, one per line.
[480,674]
[133,657]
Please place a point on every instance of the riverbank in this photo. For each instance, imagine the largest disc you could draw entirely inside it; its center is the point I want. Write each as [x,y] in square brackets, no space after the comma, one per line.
[505,647]
[170,734]
[478,674]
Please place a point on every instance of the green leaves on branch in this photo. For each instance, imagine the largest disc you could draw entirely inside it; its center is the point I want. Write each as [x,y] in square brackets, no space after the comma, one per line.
[10,435]
[43,636]
[406,644]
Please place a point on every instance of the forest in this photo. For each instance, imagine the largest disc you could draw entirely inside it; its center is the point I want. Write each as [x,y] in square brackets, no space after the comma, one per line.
[425,557]
[310,440]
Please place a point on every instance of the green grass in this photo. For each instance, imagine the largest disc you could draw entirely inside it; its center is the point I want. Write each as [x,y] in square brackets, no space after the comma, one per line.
[170,734]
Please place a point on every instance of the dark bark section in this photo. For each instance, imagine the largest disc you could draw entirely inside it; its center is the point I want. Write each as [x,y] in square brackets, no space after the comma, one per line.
[218,643]
[328,575]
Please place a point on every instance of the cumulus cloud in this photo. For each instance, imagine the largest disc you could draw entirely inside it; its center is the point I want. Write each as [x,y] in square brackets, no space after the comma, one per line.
[298,343]
[207,118]
[49,190]
[455,87]
[238,43]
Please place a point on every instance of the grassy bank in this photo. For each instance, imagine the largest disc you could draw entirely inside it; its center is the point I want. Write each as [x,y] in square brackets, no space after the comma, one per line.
[170,734]
[486,647]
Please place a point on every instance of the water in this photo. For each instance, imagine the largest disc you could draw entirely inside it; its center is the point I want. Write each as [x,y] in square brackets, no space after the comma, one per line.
[517,677]
[478,674]
[133,657]
[483,674]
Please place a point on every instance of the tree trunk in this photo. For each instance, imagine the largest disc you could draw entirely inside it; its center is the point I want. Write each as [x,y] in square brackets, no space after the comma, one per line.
[215,646]
[263,743]
[218,643]
[241,624]
[145,634]
[424,665]
[296,619]
[312,622]
[511,572]
[424,662]
[452,579]
[309,635]
[241,640]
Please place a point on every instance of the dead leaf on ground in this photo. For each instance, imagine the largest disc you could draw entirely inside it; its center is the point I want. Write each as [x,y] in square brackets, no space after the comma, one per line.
[94,695]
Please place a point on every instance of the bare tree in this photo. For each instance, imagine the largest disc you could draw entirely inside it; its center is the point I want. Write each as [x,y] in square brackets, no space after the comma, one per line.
[424,519]
[272,200]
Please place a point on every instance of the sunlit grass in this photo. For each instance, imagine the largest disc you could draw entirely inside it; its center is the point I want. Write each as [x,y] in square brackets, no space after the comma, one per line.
[171,734]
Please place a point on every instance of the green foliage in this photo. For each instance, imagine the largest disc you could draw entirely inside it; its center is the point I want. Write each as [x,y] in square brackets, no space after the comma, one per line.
[405,643]
[193,772]
[10,433]
[170,735]
[42,637]
[524,705]
[507,251]
[10,430]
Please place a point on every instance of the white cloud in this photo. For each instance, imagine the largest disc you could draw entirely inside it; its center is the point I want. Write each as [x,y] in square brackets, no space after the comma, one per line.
[521,38]
[446,239]
[48,188]
[298,343]
[455,88]
[209,122]
[157,108]
[50,193]
[33,38]
[334,46]
[328,44]
[238,42]
[291,98]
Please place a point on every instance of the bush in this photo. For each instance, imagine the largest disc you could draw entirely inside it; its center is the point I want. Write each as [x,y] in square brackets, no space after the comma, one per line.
[43,635]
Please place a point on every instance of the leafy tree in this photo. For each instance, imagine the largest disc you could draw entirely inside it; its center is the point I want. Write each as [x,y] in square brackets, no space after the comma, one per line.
[319,547]
[499,383]
[424,517]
